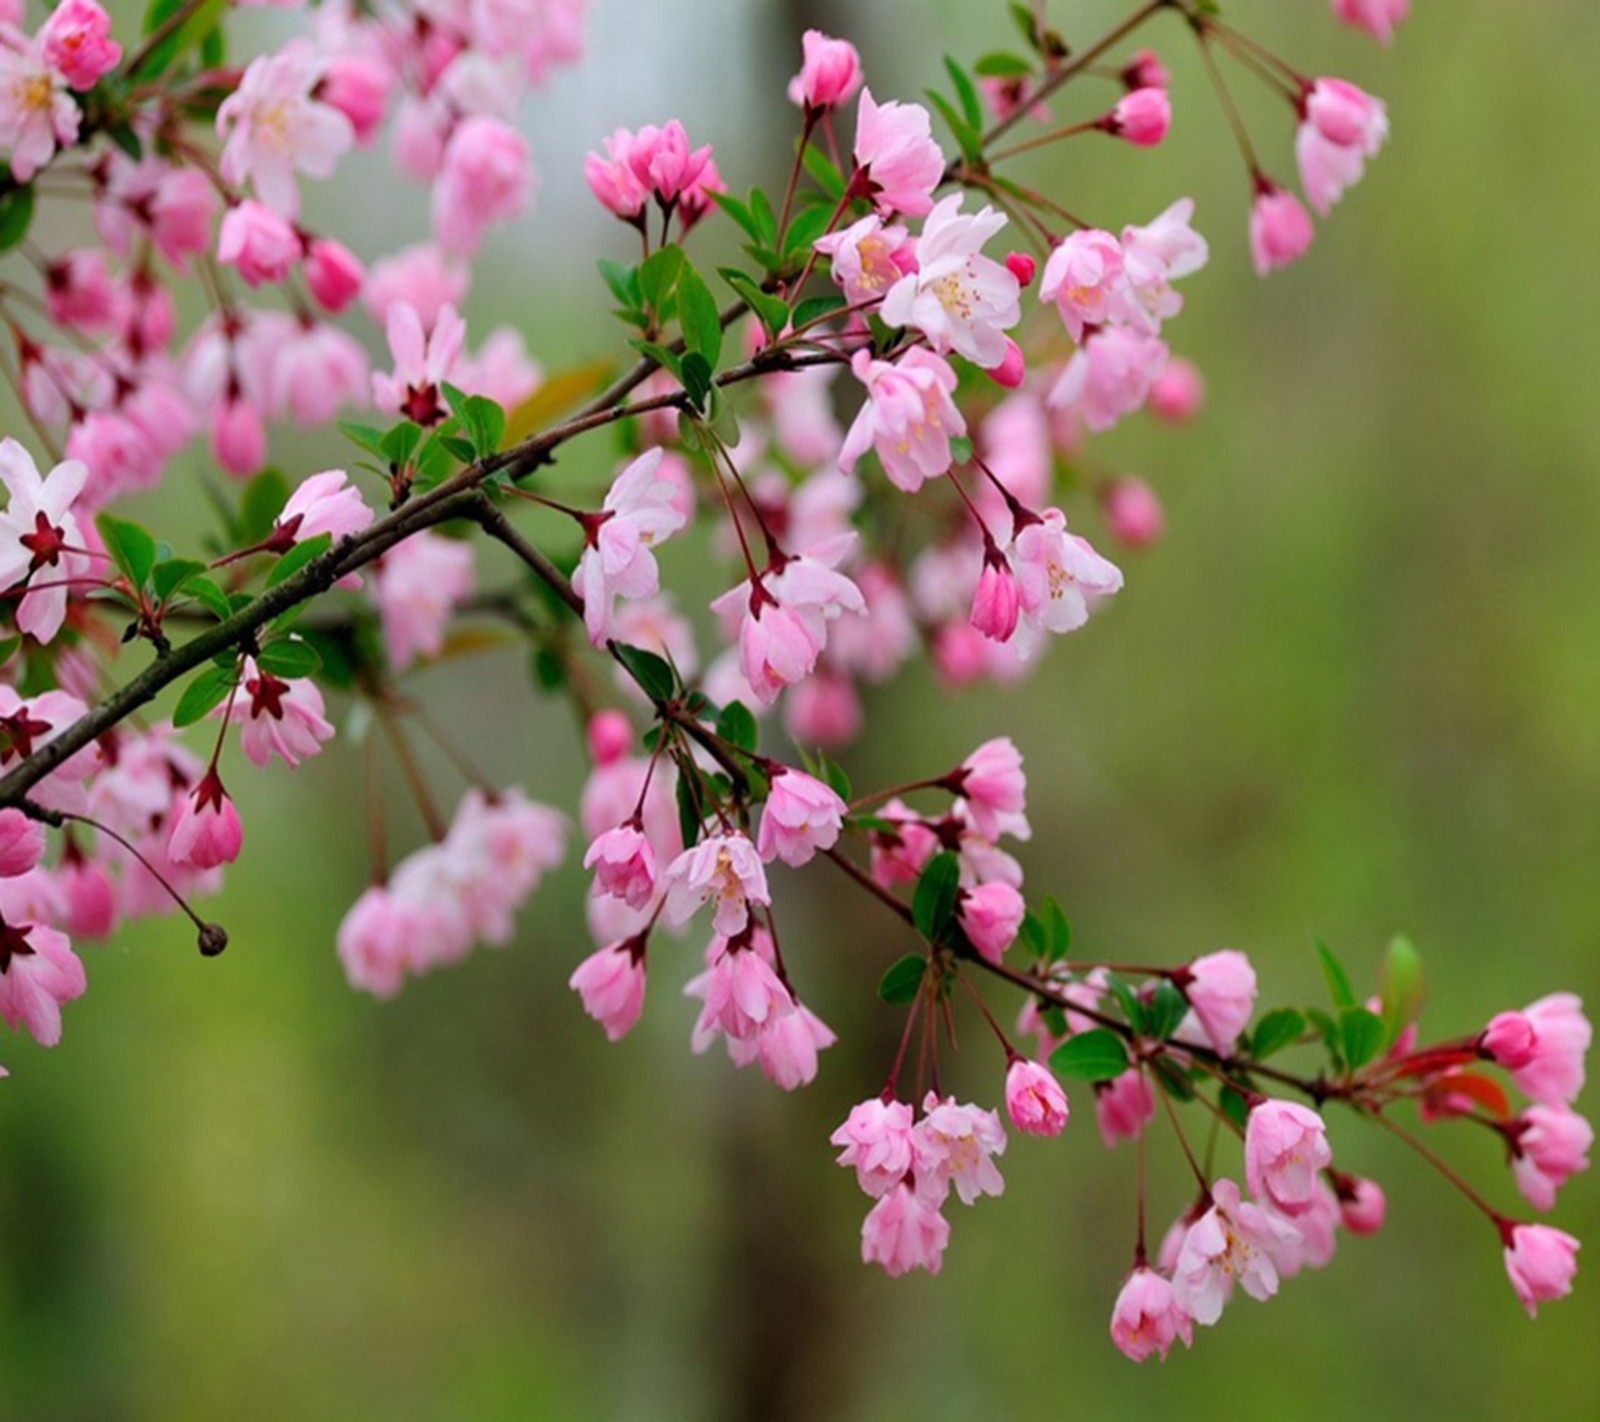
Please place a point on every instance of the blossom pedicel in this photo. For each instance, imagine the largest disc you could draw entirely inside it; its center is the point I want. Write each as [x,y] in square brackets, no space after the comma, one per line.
[855,430]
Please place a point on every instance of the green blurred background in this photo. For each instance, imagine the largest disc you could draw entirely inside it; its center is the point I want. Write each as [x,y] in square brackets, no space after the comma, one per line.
[1354,691]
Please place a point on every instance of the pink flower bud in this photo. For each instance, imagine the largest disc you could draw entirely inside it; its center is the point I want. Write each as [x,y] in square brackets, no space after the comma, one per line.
[1141,117]
[21,843]
[1509,1040]
[1177,393]
[1284,1147]
[76,41]
[991,916]
[1361,1204]
[207,831]
[610,737]
[1540,1262]
[996,603]
[1034,1099]
[1012,369]
[1377,17]
[1221,987]
[261,243]
[624,865]
[611,985]
[663,163]
[238,436]
[1145,71]
[1147,1318]
[829,75]
[1132,511]
[1280,228]
[333,272]
[1021,266]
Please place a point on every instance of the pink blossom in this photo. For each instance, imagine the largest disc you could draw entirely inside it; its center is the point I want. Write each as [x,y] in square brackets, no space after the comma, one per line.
[333,272]
[896,158]
[641,508]
[1145,71]
[1110,375]
[954,1149]
[1221,988]
[498,849]
[1311,1236]
[1083,277]
[206,832]
[624,865]
[961,300]
[76,42]
[359,87]
[866,258]
[1123,1107]
[611,984]
[423,362]
[79,291]
[1034,1099]
[899,855]
[88,896]
[723,869]
[991,916]
[273,126]
[260,243]
[801,817]
[1285,1147]
[904,1231]
[1177,393]
[1377,17]
[1232,1242]
[663,163]
[995,787]
[316,370]
[38,531]
[787,1047]
[1059,577]
[38,973]
[1147,1318]
[1540,1261]
[1132,511]
[377,941]
[1280,230]
[1361,1204]
[417,585]
[740,993]
[909,417]
[823,710]
[1543,1047]
[181,212]
[996,602]
[609,735]
[1141,117]
[1342,128]
[611,178]
[421,277]
[36,112]
[279,717]
[1013,367]
[829,75]
[1549,1145]
[238,436]
[878,1140]
[21,843]
[485,178]
[325,503]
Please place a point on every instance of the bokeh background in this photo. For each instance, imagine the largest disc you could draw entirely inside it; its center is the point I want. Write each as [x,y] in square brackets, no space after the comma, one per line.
[1355,690]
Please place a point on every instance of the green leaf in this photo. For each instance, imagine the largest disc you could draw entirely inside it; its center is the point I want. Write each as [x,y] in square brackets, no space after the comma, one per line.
[816,307]
[766,220]
[400,443]
[1361,1032]
[259,506]
[482,420]
[366,437]
[193,31]
[966,91]
[1168,1007]
[961,449]
[1058,930]
[1097,1055]
[1002,65]
[695,373]
[690,812]
[1328,1030]
[697,315]
[903,980]
[805,227]
[209,596]
[1280,1028]
[739,212]
[1173,1079]
[934,902]
[1401,986]
[659,275]
[131,548]
[1032,934]
[623,281]
[654,676]
[771,311]
[16,213]
[1132,1008]
[172,574]
[290,659]
[208,689]
[835,778]
[666,359]
[737,725]
[967,137]
[297,557]
[1234,1106]
[1339,987]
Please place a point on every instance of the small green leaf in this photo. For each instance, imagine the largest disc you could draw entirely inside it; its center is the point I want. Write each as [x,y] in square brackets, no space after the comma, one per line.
[697,315]
[367,437]
[771,311]
[171,575]
[1361,1032]
[208,689]
[1001,65]
[1058,930]
[824,172]
[484,422]
[967,137]
[16,213]
[690,812]
[835,778]
[737,725]
[1132,1008]
[290,659]
[623,281]
[966,91]
[961,450]
[400,443]
[653,674]
[1234,1106]
[739,212]
[1280,1028]
[259,506]
[131,548]
[1401,986]
[1096,1055]
[1173,1079]
[659,275]
[816,307]
[695,373]
[1328,1030]
[668,360]
[1333,970]
[806,226]
[934,902]
[1168,1007]
[297,557]
[903,980]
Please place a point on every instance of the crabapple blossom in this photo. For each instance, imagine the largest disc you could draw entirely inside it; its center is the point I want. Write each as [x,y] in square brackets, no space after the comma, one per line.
[1233,1242]
[829,75]
[1034,1099]
[741,994]
[954,1149]
[624,865]
[723,869]
[1132,511]
[206,832]
[897,162]
[1542,1046]
[259,243]
[1083,277]
[991,916]
[908,419]
[417,586]
[1377,17]
[423,363]
[38,973]
[325,503]
[1141,117]
[1540,1262]
[640,509]
[1109,375]
[279,718]
[878,1140]
[1059,577]
[1221,988]
[1280,230]
[1342,128]
[21,843]
[1285,1147]
[76,42]
[1362,1204]
[1123,1107]
[38,530]
[484,179]
[801,817]
[904,1231]
[36,113]
[1147,1318]
[1549,1145]
[663,164]
[611,984]
[867,258]
[1177,393]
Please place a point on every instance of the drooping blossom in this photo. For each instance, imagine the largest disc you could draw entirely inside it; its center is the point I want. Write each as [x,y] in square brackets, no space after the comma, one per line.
[1540,1262]
[991,916]
[76,42]
[1141,117]
[1109,375]
[1362,1204]
[1280,230]
[611,984]
[206,832]
[1543,1047]
[1147,1318]
[1123,1107]
[624,865]
[417,585]
[1132,511]
[1233,1242]
[961,300]
[1285,1148]
[801,817]
[258,242]
[38,973]
[955,1150]
[1377,17]
[279,718]
[325,503]
[1342,128]
[485,177]
[1059,578]
[39,534]
[1034,1099]
[640,510]
[723,869]
[1549,1144]
[877,1139]
[1221,988]
[741,994]
[904,1231]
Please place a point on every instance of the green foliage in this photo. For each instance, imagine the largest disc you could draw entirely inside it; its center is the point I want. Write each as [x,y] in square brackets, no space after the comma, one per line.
[654,675]
[1278,1029]
[131,548]
[933,903]
[1097,1055]
[206,689]
[903,980]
